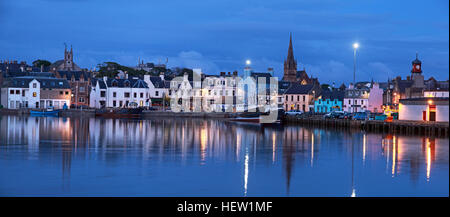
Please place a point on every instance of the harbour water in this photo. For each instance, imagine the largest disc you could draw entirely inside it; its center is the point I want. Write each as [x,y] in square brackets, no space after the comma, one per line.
[51,156]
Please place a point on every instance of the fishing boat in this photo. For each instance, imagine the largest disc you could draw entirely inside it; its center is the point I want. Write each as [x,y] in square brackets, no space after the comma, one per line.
[47,112]
[119,113]
[258,117]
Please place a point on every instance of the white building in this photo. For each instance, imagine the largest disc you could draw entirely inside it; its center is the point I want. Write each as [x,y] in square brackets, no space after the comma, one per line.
[158,88]
[424,109]
[366,96]
[117,93]
[35,92]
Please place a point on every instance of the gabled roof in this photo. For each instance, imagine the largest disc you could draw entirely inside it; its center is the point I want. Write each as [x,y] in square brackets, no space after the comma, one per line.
[76,74]
[127,83]
[157,82]
[45,82]
[332,95]
[297,88]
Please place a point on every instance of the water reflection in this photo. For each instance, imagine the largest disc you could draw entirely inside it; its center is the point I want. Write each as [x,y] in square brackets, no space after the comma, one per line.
[196,157]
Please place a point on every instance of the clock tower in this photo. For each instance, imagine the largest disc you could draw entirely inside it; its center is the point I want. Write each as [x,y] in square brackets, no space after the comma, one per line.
[417,65]
[416,73]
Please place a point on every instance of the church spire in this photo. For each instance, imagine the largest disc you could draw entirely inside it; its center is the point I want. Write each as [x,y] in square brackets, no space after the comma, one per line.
[290,65]
[290,56]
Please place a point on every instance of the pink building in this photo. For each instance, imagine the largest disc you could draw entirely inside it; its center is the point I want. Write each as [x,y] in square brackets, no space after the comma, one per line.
[375,98]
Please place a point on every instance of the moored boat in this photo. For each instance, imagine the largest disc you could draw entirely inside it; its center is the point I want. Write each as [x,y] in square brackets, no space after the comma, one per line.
[119,113]
[47,112]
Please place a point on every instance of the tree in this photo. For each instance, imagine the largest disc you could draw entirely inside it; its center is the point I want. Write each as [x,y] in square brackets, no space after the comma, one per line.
[38,63]
[325,86]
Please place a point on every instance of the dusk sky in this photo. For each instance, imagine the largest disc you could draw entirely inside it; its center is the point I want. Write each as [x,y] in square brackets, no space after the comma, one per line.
[220,35]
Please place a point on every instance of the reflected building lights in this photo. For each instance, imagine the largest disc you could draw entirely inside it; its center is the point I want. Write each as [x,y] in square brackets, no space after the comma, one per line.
[245,172]
[364,149]
[312,149]
[428,159]
[394,147]
[273,147]
[203,141]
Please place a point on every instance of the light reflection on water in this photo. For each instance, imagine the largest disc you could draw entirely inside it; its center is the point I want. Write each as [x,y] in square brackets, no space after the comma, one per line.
[195,157]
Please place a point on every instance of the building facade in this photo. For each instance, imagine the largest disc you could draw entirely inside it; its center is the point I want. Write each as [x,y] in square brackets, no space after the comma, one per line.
[35,92]
[119,93]
[329,101]
[80,84]
[300,97]
[424,109]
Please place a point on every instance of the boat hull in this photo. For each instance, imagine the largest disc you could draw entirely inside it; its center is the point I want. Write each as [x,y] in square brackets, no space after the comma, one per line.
[44,113]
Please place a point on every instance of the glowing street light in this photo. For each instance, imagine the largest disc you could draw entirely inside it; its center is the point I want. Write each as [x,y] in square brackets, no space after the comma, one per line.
[355,47]
[248,62]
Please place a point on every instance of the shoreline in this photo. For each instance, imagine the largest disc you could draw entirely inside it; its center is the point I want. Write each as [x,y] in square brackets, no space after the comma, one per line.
[433,129]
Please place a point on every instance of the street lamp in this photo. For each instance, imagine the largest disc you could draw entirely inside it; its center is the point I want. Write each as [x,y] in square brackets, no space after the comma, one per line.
[248,62]
[355,47]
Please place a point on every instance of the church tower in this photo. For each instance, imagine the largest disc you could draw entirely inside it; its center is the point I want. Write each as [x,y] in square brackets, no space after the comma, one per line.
[290,64]
[68,59]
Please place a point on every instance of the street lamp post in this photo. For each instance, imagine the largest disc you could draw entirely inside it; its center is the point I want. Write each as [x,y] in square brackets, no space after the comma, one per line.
[355,47]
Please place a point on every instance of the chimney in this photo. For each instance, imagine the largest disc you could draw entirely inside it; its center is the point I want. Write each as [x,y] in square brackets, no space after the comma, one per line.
[235,73]
[408,77]
[270,70]
[42,68]
[105,78]
[229,73]
[350,86]
[222,73]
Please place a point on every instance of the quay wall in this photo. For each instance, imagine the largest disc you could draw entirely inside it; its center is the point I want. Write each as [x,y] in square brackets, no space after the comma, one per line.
[433,129]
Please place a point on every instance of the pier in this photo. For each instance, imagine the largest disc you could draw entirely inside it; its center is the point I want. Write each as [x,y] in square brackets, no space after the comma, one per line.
[425,128]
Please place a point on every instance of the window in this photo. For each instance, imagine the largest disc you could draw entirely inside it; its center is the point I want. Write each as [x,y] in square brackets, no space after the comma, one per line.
[127,83]
[142,95]
[23,93]
[67,92]
[287,98]
[114,83]
[17,92]
[120,103]
[135,95]
[61,92]
[81,99]
[156,93]
[298,98]
[102,93]
[362,102]
[114,103]
[349,102]
[34,85]
[126,95]
[34,94]
[81,89]
[292,98]
[304,98]
[356,102]
[114,94]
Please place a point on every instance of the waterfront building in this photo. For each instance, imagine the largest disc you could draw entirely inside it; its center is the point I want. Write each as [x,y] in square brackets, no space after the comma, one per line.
[67,64]
[290,69]
[424,109]
[357,97]
[220,90]
[301,97]
[80,83]
[329,100]
[117,93]
[375,100]
[35,92]
[158,89]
